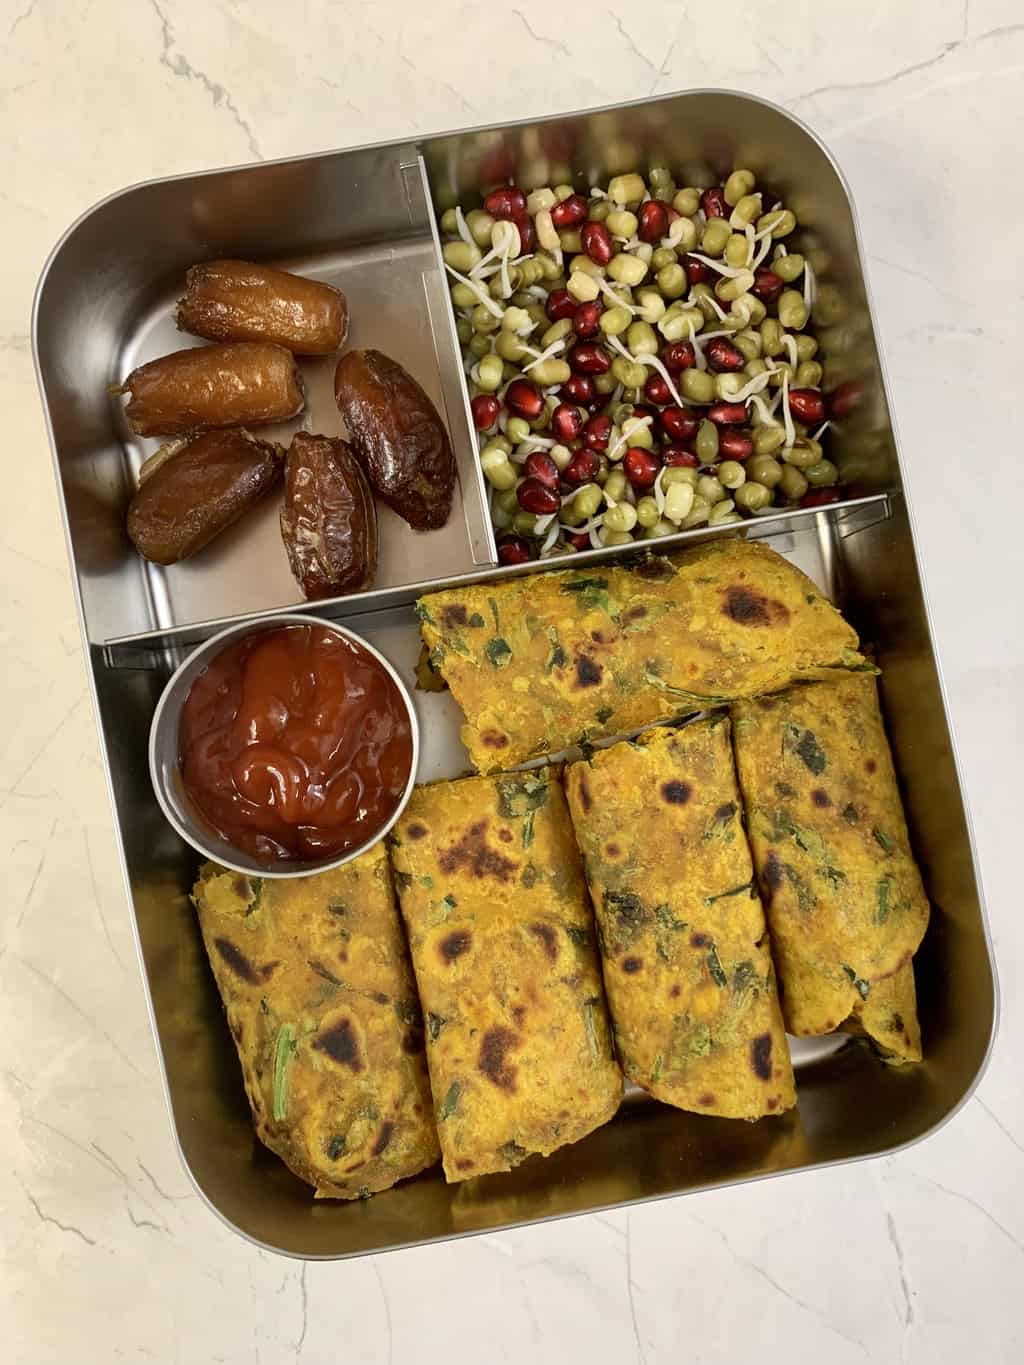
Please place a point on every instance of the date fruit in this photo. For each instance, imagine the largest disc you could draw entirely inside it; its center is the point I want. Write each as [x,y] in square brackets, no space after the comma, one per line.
[241,301]
[398,437]
[199,491]
[241,383]
[329,520]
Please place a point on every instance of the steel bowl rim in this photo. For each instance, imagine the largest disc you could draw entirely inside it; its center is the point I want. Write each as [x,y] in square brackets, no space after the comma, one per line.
[165,713]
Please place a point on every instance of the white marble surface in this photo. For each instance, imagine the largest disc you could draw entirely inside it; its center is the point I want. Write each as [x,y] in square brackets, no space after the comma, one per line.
[106,1253]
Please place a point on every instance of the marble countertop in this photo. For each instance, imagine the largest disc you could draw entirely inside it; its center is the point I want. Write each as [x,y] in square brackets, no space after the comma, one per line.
[107,1254]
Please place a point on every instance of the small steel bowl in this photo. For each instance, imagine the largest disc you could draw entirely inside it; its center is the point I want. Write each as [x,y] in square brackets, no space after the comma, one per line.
[165,770]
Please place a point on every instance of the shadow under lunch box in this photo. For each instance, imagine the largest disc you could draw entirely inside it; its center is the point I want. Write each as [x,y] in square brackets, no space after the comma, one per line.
[365,221]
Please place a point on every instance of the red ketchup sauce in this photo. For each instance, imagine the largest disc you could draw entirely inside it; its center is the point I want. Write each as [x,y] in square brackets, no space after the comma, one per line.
[295,744]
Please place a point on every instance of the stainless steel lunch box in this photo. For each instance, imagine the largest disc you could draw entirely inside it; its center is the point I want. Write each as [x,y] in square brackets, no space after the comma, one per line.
[364,220]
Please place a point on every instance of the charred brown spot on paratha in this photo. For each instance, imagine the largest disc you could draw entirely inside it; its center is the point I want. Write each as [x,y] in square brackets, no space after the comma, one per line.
[588,673]
[454,615]
[505,835]
[416,831]
[632,964]
[772,1102]
[493,1061]
[707,1098]
[772,875]
[761,1056]
[586,800]
[472,854]
[548,940]
[699,940]
[237,961]
[383,1138]
[821,798]
[339,1042]
[413,1040]
[676,793]
[456,943]
[748,608]
[493,739]
[870,765]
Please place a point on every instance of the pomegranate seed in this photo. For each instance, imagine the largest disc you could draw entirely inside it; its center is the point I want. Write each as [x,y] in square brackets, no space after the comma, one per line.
[506,203]
[586,358]
[672,213]
[678,355]
[807,406]
[536,497]
[640,410]
[653,221]
[708,469]
[846,397]
[727,414]
[567,422]
[578,388]
[486,410]
[696,271]
[597,431]
[680,424]
[527,234]
[581,468]
[586,319]
[524,399]
[540,466]
[767,285]
[735,445]
[640,467]
[513,550]
[819,497]
[713,203]
[580,540]
[597,242]
[657,390]
[570,212]
[723,356]
[560,304]
[497,166]
[678,457]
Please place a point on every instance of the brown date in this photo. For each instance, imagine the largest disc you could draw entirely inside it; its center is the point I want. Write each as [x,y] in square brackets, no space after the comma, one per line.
[397,436]
[198,492]
[241,383]
[329,520]
[241,301]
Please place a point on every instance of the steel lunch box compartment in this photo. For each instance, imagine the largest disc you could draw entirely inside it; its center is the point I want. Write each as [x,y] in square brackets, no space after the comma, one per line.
[365,220]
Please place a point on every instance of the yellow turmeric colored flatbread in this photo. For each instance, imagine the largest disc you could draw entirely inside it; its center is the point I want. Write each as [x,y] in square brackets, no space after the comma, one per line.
[315,979]
[542,662]
[502,939]
[689,977]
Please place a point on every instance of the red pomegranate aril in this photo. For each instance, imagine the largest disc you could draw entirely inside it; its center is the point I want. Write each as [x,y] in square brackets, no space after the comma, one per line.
[567,422]
[506,203]
[727,414]
[713,203]
[653,221]
[513,550]
[586,319]
[767,285]
[597,242]
[807,406]
[581,468]
[570,213]
[680,424]
[696,271]
[677,356]
[497,166]
[640,466]
[819,497]
[641,410]
[486,411]
[560,304]
[524,399]
[578,388]
[734,445]
[676,457]
[586,358]
[580,540]
[527,234]
[723,356]
[538,498]
[657,391]
[540,466]
[597,432]
[846,397]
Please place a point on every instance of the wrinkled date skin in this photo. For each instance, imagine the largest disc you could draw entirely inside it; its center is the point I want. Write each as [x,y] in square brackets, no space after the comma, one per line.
[199,492]
[398,437]
[240,301]
[242,383]
[329,520]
